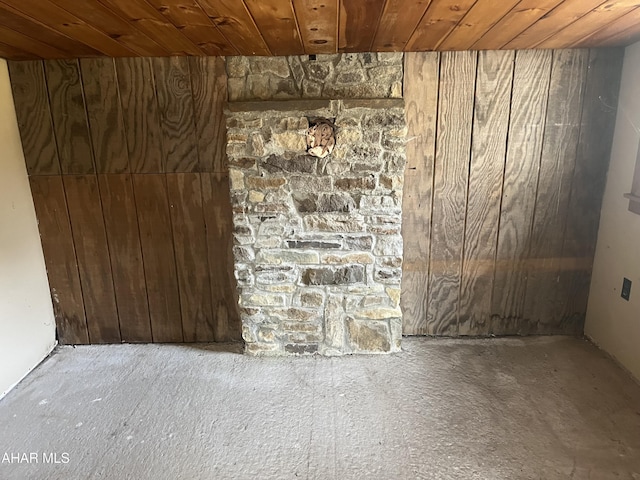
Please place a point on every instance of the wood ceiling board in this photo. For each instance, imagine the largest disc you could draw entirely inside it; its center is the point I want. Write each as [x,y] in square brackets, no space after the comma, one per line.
[439,20]
[148,20]
[318,22]
[11,18]
[67,24]
[525,14]
[190,19]
[29,45]
[564,14]
[237,25]
[480,18]
[277,22]
[116,27]
[623,29]
[591,22]
[358,22]
[398,21]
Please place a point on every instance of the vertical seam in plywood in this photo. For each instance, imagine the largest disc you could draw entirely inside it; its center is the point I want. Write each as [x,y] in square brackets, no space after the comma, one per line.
[433,180]
[86,117]
[53,130]
[121,113]
[504,167]
[466,201]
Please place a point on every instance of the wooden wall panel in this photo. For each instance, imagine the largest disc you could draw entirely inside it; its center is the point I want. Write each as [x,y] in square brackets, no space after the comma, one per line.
[521,244]
[34,117]
[136,250]
[451,172]
[60,258]
[92,251]
[421,104]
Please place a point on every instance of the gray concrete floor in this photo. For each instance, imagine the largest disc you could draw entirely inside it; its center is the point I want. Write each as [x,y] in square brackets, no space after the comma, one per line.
[535,408]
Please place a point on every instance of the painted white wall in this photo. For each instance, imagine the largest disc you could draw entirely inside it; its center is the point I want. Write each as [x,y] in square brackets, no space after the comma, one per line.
[612,322]
[27,325]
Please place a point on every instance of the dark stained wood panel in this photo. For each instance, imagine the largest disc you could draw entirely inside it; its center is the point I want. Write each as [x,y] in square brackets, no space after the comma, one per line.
[194,24]
[175,106]
[121,223]
[422,71]
[526,129]
[30,46]
[31,101]
[587,187]
[140,114]
[190,241]
[521,17]
[158,255]
[278,24]
[318,24]
[492,111]
[451,171]
[209,88]
[92,250]
[237,25]
[60,258]
[397,22]
[560,143]
[69,116]
[358,23]
[218,219]
[480,18]
[102,101]
[10,51]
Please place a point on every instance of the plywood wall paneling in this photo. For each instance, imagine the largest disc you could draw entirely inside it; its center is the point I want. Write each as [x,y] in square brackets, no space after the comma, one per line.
[92,250]
[121,222]
[219,225]
[140,114]
[586,25]
[151,22]
[16,21]
[158,255]
[358,23]
[451,172]
[71,26]
[237,25]
[526,128]
[175,106]
[438,21]
[397,22]
[69,116]
[31,101]
[564,14]
[194,24]
[278,24]
[31,46]
[190,241]
[209,88]
[560,143]
[421,100]
[318,23]
[521,17]
[492,111]
[60,258]
[116,27]
[587,188]
[104,112]
[480,18]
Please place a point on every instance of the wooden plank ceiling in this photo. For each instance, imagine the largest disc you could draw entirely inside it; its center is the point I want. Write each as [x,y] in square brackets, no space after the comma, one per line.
[31,29]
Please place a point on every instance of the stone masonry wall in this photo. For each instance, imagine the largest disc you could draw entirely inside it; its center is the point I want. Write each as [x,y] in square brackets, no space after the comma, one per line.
[318,246]
[347,75]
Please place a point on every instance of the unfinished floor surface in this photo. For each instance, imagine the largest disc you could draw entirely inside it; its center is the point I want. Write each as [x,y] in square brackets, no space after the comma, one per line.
[536,408]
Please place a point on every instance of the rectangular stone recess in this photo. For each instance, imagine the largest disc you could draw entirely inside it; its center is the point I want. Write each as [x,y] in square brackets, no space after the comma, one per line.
[317,242]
